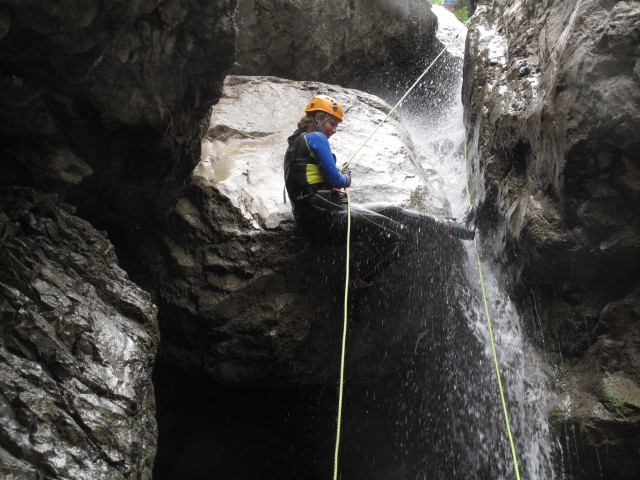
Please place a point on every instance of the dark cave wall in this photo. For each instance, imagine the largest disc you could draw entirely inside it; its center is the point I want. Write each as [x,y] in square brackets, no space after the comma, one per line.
[347,44]
[102,104]
[380,46]
[106,101]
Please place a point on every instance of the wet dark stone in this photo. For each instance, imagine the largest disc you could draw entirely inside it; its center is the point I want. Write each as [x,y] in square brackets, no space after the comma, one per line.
[77,344]
[553,112]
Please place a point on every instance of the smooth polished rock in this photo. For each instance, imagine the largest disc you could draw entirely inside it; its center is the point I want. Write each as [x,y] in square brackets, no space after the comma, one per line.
[248,299]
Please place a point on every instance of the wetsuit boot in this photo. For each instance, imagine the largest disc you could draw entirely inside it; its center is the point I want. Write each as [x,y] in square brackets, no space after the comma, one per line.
[463,227]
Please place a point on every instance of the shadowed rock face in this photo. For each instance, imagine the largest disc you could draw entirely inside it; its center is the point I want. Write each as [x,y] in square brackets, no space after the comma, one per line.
[77,345]
[312,40]
[103,102]
[251,310]
[552,92]
[107,99]
[376,45]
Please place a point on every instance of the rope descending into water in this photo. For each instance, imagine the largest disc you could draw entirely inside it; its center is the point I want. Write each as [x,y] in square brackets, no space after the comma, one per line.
[346,291]
[344,341]
[505,411]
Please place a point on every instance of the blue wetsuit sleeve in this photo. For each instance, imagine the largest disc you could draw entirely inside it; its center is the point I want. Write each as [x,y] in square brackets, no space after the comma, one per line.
[319,145]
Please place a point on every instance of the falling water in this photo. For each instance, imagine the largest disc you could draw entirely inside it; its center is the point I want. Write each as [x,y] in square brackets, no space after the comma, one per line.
[432,411]
[476,420]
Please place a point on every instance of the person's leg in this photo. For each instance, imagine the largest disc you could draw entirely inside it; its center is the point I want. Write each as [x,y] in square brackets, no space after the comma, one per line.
[420,224]
[383,238]
[386,230]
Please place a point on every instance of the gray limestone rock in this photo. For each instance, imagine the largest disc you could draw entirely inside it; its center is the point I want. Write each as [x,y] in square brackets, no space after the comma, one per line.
[252,300]
[378,46]
[77,345]
[106,100]
[311,40]
[552,97]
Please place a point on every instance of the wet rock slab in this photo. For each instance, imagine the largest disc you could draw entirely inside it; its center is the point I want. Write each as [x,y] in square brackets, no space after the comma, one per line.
[245,298]
[78,341]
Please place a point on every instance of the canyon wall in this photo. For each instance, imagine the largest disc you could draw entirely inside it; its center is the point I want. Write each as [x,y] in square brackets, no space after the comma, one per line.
[102,109]
[552,99]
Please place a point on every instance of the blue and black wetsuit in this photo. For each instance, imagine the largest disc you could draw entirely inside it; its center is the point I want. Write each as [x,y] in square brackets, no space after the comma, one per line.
[309,163]
[311,175]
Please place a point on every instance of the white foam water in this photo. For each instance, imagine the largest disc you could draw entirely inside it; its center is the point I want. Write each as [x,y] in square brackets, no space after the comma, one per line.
[439,137]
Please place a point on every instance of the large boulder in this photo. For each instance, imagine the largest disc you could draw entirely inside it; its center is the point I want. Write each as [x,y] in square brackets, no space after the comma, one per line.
[77,346]
[242,293]
[251,312]
[552,97]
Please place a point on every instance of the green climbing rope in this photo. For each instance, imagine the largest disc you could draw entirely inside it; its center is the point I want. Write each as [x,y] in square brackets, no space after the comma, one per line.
[344,341]
[505,411]
[346,293]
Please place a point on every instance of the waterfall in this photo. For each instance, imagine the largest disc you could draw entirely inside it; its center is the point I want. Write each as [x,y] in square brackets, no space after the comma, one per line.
[476,423]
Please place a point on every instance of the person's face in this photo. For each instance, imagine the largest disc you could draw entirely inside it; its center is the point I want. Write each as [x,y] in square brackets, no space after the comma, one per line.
[330,126]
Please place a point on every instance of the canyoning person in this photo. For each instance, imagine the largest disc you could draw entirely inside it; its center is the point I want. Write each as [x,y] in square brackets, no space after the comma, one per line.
[451,5]
[313,180]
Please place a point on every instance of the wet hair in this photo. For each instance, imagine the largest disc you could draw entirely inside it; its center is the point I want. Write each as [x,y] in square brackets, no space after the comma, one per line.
[305,122]
[308,120]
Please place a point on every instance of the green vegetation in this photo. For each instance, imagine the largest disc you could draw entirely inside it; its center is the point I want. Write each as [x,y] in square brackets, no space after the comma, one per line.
[462,13]
[611,396]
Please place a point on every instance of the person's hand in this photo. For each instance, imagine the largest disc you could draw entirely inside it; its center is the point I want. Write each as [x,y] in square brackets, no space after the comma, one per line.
[347,173]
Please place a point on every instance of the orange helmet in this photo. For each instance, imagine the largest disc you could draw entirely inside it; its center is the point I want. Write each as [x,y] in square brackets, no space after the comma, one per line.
[324,104]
